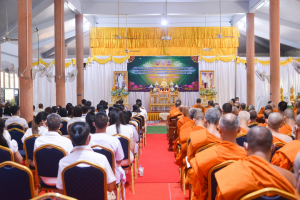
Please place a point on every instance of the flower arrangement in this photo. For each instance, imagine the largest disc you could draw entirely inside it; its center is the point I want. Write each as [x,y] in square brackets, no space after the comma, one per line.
[119,92]
[208,92]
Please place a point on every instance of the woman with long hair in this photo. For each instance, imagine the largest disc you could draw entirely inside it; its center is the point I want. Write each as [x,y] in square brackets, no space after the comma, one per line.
[117,126]
[90,118]
[38,126]
[6,141]
[135,134]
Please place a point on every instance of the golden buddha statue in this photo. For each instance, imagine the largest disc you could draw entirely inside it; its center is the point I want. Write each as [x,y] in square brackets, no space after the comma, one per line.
[292,91]
[164,83]
[281,94]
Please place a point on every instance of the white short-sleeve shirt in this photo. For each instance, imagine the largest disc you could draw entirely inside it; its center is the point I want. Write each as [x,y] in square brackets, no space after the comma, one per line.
[75,119]
[16,119]
[114,144]
[80,153]
[66,118]
[124,130]
[42,131]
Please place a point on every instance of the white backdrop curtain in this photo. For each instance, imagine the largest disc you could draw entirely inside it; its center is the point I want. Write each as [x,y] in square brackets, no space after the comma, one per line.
[241,82]
[45,92]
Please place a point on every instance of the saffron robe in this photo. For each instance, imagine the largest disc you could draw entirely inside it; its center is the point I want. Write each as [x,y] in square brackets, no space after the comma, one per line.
[285,129]
[276,139]
[205,160]
[182,122]
[285,156]
[207,108]
[198,106]
[248,175]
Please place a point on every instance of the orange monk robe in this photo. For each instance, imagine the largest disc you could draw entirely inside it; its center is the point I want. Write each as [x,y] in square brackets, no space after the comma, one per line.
[180,123]
[191,123]
[263,124]
[207,108]
[295,112]
[172,108]
[184,135]
[212,156]
[286,155]
[175,112]
[285,129]
[243,131]
[198,106]
[276,139]
[260,114]
[249,175]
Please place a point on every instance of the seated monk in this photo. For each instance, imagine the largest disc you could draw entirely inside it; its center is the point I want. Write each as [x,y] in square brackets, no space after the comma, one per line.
[243,107]
[285,156]
[261,114]
[179,102]
[244,118]
[282,106]
[297,174]
[235,110]
[210,104]
[198,105]
[297,107]
[228,149]
[203,137]
[226,108]
[274,122]
[289,118]
[266,115]
[175,112]
[254,172]
[253,116]
[216,105]
[191,123]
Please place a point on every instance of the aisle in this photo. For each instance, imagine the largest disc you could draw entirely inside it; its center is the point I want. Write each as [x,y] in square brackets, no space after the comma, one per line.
[161,176]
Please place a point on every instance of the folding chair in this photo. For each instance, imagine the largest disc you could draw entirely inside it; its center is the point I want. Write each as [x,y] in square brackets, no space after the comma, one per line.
[64,128]
[17,135]
[15,125]
[241,138]
[29,147]
[6,154]
[85,182]
[56,196]
[260,195]
[46,159]
[16,181]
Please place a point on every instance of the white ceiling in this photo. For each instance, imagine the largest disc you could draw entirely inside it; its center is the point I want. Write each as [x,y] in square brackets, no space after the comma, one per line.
[150,13]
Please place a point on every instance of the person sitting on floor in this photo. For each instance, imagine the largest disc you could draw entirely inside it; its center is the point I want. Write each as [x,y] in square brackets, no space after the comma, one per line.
[15,111]
[38,126]
[289,118]
[254,172]
[80,136]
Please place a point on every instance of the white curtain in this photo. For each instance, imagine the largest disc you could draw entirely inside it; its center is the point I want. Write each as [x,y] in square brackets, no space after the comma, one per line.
[44,91]
[262,88]
[224,79]
[288,78]
[241,82]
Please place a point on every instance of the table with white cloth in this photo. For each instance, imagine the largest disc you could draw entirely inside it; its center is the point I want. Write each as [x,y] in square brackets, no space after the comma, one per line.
[164,116]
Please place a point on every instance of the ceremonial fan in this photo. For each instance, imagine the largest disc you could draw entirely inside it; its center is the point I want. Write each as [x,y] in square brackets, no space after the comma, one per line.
[219,36]
[6,37]
[296,66]
[262,76]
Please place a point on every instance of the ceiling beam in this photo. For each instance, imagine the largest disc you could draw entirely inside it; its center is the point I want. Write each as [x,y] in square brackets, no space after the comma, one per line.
[50,23]
[174,8]
[35,11]
[283,22]
[237,18]
[51,51]
[258,40]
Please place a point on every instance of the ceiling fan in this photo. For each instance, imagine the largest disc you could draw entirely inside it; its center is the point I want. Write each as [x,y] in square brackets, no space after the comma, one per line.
[127,50]
[220,36]
[206,49]
[6,38]
[118,37]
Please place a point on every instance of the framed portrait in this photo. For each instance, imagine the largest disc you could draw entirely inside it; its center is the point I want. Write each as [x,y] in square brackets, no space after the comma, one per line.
[120,79]
[207,79]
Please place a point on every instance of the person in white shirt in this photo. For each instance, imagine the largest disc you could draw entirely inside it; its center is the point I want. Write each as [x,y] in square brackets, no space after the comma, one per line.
[38,126]
[127,115]
[142,109]
[117,126]
[77,116]
[40,109]
[5,141]
[64,114]
[80,137]
[15,111]
[85,110]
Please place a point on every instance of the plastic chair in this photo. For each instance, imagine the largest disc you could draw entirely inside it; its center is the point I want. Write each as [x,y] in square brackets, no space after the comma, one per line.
[260,195]
[16,181]
[110,155]
[29,147]
[125,142]
[17,135]
[6,154]
[212,182]
[15,125]
[56,196]
[63,129]
[46,159]
[85,183]
[30,124]
[240,140]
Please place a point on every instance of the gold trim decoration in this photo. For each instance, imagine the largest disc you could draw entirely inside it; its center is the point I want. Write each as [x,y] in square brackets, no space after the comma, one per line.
[9,151]
[264,191]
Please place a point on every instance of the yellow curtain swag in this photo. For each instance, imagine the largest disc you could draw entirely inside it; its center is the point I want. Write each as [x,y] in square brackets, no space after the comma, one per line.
[266,62]
[106,60]
[217,58]
[73,61]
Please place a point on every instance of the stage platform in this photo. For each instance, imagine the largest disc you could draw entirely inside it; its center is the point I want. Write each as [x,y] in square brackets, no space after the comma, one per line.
[153,116]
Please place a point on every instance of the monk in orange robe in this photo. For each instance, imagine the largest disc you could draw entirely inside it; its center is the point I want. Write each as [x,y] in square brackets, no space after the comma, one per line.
[285,156]
[297,107]
[186,118]
[226,108]
[228,149]
[254,172]
[253,116]
[263,109]
[244,118]
[274,122]
[210,104]
[185,134]
[289,118]
[266,115]
[198,105]
[297,176]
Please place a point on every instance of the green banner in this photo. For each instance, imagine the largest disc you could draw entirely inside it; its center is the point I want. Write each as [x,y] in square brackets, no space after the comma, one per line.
[163,72]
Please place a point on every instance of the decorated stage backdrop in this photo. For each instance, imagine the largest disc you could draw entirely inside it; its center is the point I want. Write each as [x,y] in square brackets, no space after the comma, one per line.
[181,71]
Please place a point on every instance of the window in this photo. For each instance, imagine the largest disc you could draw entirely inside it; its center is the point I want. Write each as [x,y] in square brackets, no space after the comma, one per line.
[9,86]
[16,81]
[6,80]
[12,80]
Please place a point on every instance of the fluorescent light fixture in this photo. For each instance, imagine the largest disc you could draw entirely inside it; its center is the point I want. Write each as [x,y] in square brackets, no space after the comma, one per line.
[261,4]
[164,22]
[69,5]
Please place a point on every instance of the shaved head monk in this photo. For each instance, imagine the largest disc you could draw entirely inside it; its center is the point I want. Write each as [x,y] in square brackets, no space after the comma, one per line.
[228,149]
[242,106]
[186,118]
[210,104]
[226,108]
[198,105]
[261,112]
[185,134]
[285,156]
[297,173]
[266,115]
[253,116]
[274,122]
[244,118]
[175,112]
[254,172]
[297,107]
[235,110]
[177,104]
[251,107]
[289,118]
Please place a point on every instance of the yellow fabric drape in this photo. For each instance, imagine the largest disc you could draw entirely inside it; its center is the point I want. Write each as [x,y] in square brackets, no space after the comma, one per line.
[267,62]
[153,116]
[186,41]
[217,58]
[73,61]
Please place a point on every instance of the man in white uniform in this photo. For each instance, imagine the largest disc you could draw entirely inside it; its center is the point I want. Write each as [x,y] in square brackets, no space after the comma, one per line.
[15,111]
